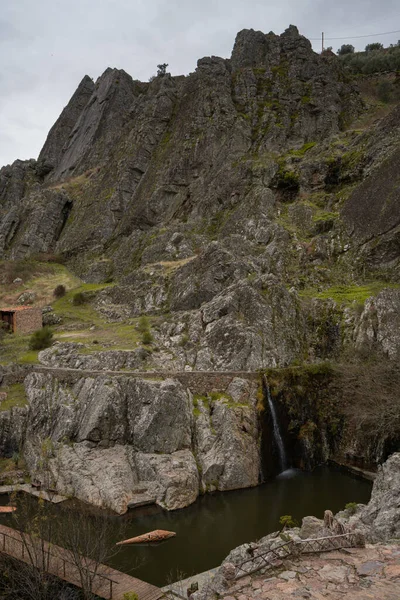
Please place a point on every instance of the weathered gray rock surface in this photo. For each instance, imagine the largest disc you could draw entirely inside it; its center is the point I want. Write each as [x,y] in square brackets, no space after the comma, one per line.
[248,213]
[380,518]
[112,440]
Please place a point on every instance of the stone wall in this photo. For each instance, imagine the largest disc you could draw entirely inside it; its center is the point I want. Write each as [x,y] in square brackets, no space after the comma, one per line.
[14,373]
[199,382]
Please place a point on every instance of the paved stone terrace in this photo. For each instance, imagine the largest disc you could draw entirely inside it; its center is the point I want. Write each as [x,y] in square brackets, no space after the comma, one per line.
[371,573]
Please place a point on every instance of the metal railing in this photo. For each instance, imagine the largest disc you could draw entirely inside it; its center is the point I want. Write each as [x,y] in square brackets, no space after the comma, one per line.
[27,545]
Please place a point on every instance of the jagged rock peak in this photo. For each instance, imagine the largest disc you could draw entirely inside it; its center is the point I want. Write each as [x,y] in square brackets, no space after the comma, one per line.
[112,75]
[60,132]
[255,48]
[94,114]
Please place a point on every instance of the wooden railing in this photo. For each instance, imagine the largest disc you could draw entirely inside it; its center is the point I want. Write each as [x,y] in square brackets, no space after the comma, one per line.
[28,554]
[270,557]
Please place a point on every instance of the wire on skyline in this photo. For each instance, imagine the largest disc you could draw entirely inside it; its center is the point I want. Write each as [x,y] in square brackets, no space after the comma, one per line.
[355,37]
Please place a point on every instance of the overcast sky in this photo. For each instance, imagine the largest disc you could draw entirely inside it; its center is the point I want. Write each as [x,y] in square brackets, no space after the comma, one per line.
[47,46]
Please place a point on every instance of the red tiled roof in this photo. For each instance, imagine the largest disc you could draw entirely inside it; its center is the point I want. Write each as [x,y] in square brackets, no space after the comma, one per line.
[16,308]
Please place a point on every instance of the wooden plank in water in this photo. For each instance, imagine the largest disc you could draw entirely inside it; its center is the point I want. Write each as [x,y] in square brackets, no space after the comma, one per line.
[158,535]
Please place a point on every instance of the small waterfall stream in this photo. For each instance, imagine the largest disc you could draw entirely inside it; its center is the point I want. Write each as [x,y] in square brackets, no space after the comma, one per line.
[276,431]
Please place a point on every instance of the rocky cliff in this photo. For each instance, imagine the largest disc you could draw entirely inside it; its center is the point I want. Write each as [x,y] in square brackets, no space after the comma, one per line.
[250,210]
[120,441]
[372,571]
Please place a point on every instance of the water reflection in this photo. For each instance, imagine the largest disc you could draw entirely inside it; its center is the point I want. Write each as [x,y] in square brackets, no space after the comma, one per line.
[209,529]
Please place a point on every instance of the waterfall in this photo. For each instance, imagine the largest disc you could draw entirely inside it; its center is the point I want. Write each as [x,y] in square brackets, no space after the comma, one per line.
[276,431]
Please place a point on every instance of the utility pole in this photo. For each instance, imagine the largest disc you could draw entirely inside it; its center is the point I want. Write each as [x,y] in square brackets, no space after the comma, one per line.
[322,41]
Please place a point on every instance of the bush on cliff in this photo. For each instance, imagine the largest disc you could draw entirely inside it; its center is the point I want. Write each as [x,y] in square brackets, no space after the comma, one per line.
[147,338]
[143,327]
[78,299]
[59,291]
[41,339]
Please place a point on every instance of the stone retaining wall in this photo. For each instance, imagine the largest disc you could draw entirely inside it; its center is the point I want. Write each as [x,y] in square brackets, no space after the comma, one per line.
[199,382]
[14,373]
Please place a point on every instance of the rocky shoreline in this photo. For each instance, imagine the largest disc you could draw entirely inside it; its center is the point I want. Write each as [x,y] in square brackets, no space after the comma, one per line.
[371,570]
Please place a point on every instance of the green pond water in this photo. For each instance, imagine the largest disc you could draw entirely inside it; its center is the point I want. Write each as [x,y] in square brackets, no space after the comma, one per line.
[216,523]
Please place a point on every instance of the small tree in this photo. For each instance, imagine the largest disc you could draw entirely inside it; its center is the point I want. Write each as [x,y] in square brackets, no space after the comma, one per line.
[40,339]
[346,49]
[143,327]
[373,47]
[162,69]
[88,539]
[147,338]
[287,521]
[143,324]
[59,291]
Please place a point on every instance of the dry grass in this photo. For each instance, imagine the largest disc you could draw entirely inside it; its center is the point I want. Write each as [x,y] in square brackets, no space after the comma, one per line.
[168,266]
[16,397]
[79,180]
[81,323]
[376,108]
[41,278]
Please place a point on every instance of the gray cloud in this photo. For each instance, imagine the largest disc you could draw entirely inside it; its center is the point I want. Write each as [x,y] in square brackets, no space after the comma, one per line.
[46,47]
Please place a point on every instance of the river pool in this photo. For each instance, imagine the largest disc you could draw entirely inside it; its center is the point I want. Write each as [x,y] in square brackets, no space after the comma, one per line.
[216,523]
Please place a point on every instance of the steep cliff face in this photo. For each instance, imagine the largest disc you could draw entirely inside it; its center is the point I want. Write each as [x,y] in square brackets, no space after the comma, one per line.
[116,441]
[177,148]
[249,209]
[63,130]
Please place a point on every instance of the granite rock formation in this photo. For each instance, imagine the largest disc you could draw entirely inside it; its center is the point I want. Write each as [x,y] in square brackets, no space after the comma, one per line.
[249,210]
[121,441]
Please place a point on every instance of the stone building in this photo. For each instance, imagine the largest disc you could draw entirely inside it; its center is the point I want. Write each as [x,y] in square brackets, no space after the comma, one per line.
[22,319]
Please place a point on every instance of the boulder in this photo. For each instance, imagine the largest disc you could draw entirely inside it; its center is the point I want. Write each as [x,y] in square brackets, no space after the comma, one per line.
[381,516]
[146,433]
[311,527]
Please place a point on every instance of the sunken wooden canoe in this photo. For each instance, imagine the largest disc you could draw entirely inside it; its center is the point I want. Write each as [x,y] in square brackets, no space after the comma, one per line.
[158,535]
[7,509]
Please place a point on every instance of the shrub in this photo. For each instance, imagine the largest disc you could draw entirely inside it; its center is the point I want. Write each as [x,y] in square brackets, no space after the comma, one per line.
[40,339]
[346,49]
[373,47]
[143,324]
[130,596]
[147,338]
[384,91]
[23,269]
[4,328]
[287,521]
[287,181]
[59,291]
[184,340]
[78,299]
[351,507]
[15,458]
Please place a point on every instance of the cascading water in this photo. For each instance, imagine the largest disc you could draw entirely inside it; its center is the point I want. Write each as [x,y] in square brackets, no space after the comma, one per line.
[276,431]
